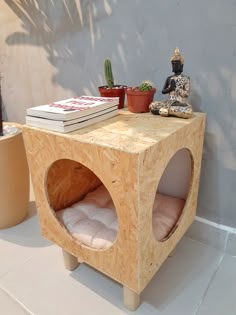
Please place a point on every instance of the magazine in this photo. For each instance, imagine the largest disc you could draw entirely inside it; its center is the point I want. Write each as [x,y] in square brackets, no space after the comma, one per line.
[73,108]
[65,128]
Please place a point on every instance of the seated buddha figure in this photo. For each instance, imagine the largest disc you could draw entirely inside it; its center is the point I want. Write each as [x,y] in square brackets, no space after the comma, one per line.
[178,88]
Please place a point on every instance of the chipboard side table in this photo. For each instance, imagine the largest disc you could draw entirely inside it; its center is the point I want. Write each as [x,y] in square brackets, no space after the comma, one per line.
[128,154]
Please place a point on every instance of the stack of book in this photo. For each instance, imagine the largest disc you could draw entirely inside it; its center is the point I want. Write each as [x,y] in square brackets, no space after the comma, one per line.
[72,114]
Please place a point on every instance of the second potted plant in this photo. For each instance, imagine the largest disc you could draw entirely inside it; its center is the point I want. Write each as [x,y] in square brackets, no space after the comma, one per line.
[112,90]
[140,97]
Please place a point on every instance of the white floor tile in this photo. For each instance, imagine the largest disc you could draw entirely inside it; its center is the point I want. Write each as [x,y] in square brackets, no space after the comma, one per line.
[182,280]
[8,306]
[207,234]
[19,243]
[46,288]
[220,298]
[231,245]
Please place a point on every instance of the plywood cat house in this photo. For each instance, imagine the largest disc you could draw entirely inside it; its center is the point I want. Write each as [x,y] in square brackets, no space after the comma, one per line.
[127,154]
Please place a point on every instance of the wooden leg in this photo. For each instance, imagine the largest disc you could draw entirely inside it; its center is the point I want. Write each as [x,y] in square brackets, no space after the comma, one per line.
[131,299]
[70,261]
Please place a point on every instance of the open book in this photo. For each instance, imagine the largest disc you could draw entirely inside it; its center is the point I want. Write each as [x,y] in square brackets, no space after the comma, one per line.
[73,108]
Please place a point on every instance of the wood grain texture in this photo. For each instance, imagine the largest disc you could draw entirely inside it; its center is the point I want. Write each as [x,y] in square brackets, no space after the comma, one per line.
[67,182]
[128,154]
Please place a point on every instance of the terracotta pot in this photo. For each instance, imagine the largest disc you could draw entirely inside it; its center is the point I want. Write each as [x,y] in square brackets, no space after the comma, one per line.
[139,101]
[14,180]
[117,91]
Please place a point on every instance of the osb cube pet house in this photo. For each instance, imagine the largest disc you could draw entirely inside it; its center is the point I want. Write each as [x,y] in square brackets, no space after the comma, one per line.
[128,155]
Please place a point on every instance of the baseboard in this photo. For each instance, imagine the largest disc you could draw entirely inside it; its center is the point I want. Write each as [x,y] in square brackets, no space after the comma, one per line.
[213,234]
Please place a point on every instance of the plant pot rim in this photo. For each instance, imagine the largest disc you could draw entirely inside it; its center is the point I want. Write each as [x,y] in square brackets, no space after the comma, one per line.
[134,91]
[116,87]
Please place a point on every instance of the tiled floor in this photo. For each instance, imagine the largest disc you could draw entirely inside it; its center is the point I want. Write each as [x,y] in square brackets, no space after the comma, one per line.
[198,279]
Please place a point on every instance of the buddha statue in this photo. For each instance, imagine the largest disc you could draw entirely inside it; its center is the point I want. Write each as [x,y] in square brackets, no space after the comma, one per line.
[178,88]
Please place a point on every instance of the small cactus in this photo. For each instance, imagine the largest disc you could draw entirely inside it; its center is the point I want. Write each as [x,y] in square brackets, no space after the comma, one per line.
[108,73]
[145,86]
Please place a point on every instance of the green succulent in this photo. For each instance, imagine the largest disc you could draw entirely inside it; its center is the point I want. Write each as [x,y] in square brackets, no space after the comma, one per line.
[146,86]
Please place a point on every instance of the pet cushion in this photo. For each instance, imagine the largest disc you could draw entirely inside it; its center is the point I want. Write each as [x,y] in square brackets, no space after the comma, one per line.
[93,220]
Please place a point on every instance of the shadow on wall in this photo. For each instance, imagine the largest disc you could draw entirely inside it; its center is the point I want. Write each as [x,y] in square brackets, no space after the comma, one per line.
[69,30]
[217,185]
[57,27]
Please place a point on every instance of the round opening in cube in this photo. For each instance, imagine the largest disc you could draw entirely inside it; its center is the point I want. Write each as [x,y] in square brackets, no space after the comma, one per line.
[172,193]
[82,204]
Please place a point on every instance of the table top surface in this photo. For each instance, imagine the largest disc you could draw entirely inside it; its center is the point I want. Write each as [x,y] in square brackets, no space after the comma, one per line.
[128,131]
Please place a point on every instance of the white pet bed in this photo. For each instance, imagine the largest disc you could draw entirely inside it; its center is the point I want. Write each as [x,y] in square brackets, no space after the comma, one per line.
[93,220]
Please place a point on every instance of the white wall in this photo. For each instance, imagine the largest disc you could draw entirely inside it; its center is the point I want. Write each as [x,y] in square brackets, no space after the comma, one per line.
[54,49]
